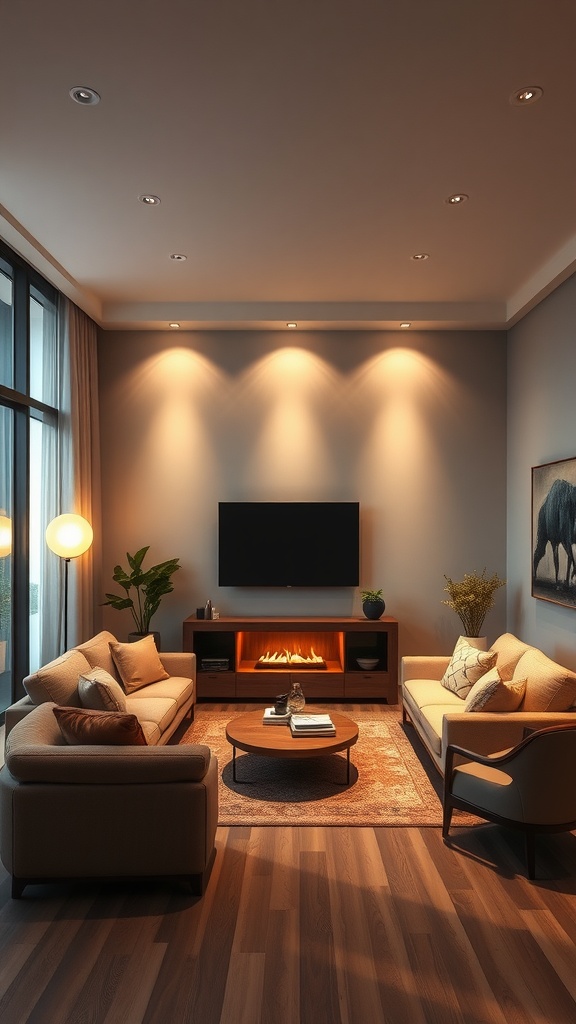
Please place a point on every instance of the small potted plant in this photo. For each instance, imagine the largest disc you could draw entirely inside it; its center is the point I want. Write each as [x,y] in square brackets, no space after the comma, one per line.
[150,586]
[372,604]
[471,598]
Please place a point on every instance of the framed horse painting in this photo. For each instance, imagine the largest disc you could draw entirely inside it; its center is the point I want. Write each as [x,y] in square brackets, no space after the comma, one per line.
[554,532]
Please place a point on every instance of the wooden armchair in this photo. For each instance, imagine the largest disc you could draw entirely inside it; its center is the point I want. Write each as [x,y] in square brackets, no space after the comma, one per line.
[530,787]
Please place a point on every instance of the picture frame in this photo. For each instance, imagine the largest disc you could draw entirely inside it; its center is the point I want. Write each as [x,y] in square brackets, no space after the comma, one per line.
[554,532]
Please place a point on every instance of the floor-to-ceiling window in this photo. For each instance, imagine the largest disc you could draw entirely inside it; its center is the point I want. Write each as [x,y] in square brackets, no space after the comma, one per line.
[28,453]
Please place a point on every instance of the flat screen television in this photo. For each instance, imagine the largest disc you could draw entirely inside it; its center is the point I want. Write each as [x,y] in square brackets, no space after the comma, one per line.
[288,543]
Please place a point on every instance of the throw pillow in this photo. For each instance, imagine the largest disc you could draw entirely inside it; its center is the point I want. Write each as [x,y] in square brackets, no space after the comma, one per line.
[100,692]
[491,693]
[509,650]
[466,666]
[549,686]
[138,664]
[82,726]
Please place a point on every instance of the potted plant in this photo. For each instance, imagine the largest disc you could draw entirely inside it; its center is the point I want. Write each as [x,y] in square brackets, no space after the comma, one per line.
[471,598]
[150,586]
[372,604]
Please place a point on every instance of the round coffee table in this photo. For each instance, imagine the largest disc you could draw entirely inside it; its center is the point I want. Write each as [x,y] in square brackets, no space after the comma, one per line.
[247,732]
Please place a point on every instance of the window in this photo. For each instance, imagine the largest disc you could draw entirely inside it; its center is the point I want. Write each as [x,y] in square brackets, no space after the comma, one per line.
[28,454]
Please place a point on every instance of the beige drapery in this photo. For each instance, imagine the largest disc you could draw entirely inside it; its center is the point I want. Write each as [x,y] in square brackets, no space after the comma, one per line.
[79,444]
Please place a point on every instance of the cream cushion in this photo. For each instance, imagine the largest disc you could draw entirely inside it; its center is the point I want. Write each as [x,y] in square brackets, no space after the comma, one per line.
[549,686]
[138,664]
[97,652]
[509,649]
[491,693]
[466,666]
[58,680]
[100,692]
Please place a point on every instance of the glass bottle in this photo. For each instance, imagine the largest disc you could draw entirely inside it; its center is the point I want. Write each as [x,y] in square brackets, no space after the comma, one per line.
[296,699]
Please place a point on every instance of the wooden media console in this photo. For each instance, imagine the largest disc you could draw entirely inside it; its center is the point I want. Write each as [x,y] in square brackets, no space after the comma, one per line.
[228,651]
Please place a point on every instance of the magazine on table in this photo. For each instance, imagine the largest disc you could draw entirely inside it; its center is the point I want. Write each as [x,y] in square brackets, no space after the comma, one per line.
[312,725]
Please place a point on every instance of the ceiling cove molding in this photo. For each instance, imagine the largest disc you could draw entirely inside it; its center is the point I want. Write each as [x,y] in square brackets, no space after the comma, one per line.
[308,315]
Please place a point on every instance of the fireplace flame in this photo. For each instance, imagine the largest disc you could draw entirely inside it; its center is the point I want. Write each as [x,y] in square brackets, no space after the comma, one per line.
[290,658]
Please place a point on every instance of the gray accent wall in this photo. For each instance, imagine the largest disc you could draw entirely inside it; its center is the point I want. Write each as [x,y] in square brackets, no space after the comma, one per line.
[541,429]
[412,425]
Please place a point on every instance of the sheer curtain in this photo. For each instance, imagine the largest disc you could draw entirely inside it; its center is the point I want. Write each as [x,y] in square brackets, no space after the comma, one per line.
[74,467]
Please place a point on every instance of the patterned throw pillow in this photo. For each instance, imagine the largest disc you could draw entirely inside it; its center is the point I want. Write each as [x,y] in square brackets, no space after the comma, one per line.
[138,664]
[466,666]
[82,726]
[100,692]
[491,693]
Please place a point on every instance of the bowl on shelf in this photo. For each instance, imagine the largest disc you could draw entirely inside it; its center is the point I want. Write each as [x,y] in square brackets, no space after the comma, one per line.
[367,663]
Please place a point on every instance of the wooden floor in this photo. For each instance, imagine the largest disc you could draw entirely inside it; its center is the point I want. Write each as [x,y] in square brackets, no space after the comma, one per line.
[307,926]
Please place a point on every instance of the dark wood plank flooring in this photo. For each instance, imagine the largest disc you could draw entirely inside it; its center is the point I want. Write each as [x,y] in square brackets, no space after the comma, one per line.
[307,926]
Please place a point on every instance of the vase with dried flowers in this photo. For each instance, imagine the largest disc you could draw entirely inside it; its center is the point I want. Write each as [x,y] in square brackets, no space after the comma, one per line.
[471,598]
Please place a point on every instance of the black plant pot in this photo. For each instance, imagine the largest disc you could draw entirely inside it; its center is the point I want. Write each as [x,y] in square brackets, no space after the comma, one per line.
[373,609]
[133,637]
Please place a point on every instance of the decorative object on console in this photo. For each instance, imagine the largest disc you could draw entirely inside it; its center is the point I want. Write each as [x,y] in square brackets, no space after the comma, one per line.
[68,536]
[367,664]
[296,699]
[472,598]
[372,603]
[150,586]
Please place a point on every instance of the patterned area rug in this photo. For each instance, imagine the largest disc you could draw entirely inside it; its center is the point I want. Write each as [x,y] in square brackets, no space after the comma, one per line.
[392,781]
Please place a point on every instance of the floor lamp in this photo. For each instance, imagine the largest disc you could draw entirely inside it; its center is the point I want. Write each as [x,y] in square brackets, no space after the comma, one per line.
[68,536]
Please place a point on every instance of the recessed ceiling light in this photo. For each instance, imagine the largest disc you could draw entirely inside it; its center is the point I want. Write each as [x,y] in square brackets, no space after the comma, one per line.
[149,200]
[418,256]
[85,96]
[405,326]
[174,325]
[457,199]
[529,94]
[292,324]
[178,257]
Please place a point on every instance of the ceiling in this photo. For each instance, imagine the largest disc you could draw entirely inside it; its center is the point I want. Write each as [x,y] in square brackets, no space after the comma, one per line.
[303,152]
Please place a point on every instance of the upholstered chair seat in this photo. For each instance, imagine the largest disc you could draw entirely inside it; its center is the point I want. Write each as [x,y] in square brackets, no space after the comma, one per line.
[529,787]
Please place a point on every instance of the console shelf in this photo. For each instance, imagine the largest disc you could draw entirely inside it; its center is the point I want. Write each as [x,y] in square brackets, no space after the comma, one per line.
[228,649]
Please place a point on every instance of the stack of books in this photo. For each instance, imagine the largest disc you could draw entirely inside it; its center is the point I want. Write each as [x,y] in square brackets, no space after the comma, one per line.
[312,725]
[271,718]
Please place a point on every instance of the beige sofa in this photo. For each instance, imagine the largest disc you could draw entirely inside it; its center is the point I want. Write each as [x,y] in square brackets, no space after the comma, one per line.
[439,717]
[159,706]
[96,811]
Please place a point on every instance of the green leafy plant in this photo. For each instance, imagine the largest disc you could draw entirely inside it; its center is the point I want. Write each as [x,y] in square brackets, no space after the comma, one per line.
[472,598]
[150,586]
[371,595]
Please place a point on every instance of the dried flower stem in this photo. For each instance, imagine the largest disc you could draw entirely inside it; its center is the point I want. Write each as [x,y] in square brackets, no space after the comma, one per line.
[471,598]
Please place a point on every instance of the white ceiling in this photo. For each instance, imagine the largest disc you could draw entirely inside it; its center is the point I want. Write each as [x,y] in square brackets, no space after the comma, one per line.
[303,151]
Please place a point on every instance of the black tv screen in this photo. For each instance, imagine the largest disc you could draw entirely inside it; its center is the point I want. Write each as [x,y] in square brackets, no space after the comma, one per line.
[288,543]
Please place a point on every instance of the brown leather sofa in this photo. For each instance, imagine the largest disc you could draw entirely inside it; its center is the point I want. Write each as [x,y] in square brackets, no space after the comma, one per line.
[98,811]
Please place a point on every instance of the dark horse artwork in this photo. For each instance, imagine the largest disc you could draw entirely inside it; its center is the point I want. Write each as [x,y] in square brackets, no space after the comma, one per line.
[557,527]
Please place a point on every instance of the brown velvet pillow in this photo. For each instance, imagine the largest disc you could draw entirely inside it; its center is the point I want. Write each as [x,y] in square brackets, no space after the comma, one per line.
[138,664]
[110,728]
